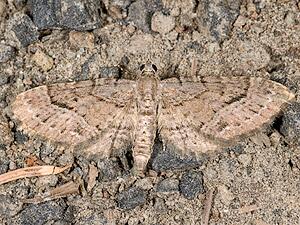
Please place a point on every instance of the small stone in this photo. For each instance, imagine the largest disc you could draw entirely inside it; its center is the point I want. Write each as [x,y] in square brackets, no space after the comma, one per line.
[110,72]
[80,15]
[108,170]
[66,158]
[218,17]
[77,15]
[275,138]
[46,181]
[6,53]
[225,194]
[175,12]
[161,23]
[290,126]
[43,13]
[168,185]
[131,198]
[139,15]
[245,159]
[20,137]
[44,61]
[6,137]
[25,30]
[42,213]
[240,21]
[167,159]
[290,19]
[19,4]
[9,206]
[140,12]
[81,40]
[3,166]
[2,8]
[191,184]
[145,183]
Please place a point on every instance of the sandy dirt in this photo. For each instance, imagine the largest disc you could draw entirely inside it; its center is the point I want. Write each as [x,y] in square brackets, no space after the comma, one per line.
[255,182]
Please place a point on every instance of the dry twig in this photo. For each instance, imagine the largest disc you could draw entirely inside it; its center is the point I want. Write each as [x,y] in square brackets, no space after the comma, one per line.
[207,207]
[58,192]
[31,172]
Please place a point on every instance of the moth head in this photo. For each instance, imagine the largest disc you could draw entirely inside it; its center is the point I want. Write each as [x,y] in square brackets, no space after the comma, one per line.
[148,70]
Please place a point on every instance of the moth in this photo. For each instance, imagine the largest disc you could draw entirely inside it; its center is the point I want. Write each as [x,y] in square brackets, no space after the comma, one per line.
[105,115]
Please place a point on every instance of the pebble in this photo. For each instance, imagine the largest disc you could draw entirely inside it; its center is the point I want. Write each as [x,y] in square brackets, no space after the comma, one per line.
[245,159]
[161,23]
[225,194]
[145,183]
[218,17]
[290,126]
[77,15]
[131,198]
[39,214]
[138,14]
[9,206]
[20,137]
[168,185]
[6,137]
[44,61]
[6,53]
[2,8]
[47,181]
[82,40]
[25,30]
[191,184]
[108,170]
[290,19]
[240,21]
[167,159]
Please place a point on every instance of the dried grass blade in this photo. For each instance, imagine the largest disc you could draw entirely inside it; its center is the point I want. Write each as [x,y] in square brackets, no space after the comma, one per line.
[31,172]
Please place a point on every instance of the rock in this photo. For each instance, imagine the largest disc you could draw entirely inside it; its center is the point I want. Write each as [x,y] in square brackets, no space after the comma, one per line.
[131,198]
[168,185]
[245,159]
[108,170]
[225,195]
[9,206]
[81,40]
[25,30]
[43,13]
[70,14]
[2,8]
[6,137]
[110,72]
[217,17]
[140,13]
[144,183]
[191,184]
[290,126]
[44,61]
[20,137]
[290,19]
[19,4]
[161,23]
[167,159]
[43,213]
[6,53]
[3,166]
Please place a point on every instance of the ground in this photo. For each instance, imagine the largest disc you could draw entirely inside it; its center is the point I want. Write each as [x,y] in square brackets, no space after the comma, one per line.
[255,182]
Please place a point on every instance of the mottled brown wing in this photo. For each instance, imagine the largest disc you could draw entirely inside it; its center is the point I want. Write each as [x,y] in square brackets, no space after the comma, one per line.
[204,116]
[96,113]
